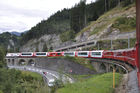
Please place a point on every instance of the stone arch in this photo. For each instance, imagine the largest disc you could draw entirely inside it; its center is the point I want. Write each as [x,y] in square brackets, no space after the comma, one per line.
[102,67]
[9,62]
[111,68]
[31,62]
[117,69]
[13,61]
[22,62]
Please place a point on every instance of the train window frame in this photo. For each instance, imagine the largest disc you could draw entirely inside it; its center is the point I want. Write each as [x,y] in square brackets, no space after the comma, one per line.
[81,53]
[95,53]
[41,54]
[26,54]
[59,54]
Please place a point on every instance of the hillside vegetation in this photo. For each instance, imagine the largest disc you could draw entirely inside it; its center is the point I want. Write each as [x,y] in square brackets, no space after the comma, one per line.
[9,41]
[15,81]
[74,19]
[97,84]
[116,21]
[81,23]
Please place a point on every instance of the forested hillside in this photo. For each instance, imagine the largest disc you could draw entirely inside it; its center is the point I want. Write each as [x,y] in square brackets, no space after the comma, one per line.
[57,23]
[9,41]
[74,19]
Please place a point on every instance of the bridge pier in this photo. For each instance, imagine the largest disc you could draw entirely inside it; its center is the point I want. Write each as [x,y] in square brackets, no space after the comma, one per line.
[101,67]
[20,61]
[11,61]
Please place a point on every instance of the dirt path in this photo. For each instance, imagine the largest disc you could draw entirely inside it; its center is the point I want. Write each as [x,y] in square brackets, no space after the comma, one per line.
[132,83]
[122,88]
[128,84]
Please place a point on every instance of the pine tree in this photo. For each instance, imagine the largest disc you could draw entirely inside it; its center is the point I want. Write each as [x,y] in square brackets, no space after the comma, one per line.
[45,48]
[105,6]
[78,16]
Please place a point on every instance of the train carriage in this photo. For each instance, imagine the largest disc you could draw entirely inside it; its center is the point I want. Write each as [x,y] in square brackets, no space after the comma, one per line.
[108,54]
[119,55]
[40,54]
[130,56]
[12,54]
[54,54]
[27,54]
[82,54]
[69,54]
[96,54]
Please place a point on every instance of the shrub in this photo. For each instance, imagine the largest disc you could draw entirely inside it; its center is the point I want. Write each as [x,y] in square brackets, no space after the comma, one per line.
[66,36]
[125,24]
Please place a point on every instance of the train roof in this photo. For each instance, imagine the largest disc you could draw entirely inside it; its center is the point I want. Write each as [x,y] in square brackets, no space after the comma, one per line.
[97,50]
[121,50]
[12,54]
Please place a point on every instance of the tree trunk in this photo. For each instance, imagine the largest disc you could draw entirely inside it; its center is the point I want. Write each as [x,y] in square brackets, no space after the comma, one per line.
[105,6]
[119,2]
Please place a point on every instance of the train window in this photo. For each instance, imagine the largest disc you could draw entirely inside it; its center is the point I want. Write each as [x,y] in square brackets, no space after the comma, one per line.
[24,54]
[40,53]
[58,53]
[96,53]
[82,53]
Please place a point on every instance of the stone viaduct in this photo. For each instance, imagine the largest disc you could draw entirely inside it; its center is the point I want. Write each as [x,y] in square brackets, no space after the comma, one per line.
[64,65]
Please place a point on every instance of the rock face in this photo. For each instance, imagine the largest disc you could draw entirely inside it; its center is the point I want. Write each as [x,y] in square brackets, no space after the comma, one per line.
[52,40]
[11,44]
[64,65]
[102,29]
[83,37]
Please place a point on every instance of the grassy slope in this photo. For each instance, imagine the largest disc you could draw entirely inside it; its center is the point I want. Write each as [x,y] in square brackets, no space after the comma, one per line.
[33,82]
[15,81]
[98,84]
[111,17]
[35,75]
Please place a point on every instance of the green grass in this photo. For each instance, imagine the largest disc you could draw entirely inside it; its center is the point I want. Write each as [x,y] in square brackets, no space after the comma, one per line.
[125,24]
[33,82]
[99,29]
[15,81]
[82,78]
[34,75]
[98,84]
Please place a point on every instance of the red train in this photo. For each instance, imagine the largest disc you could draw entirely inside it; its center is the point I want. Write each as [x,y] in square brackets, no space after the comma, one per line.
[126,55]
